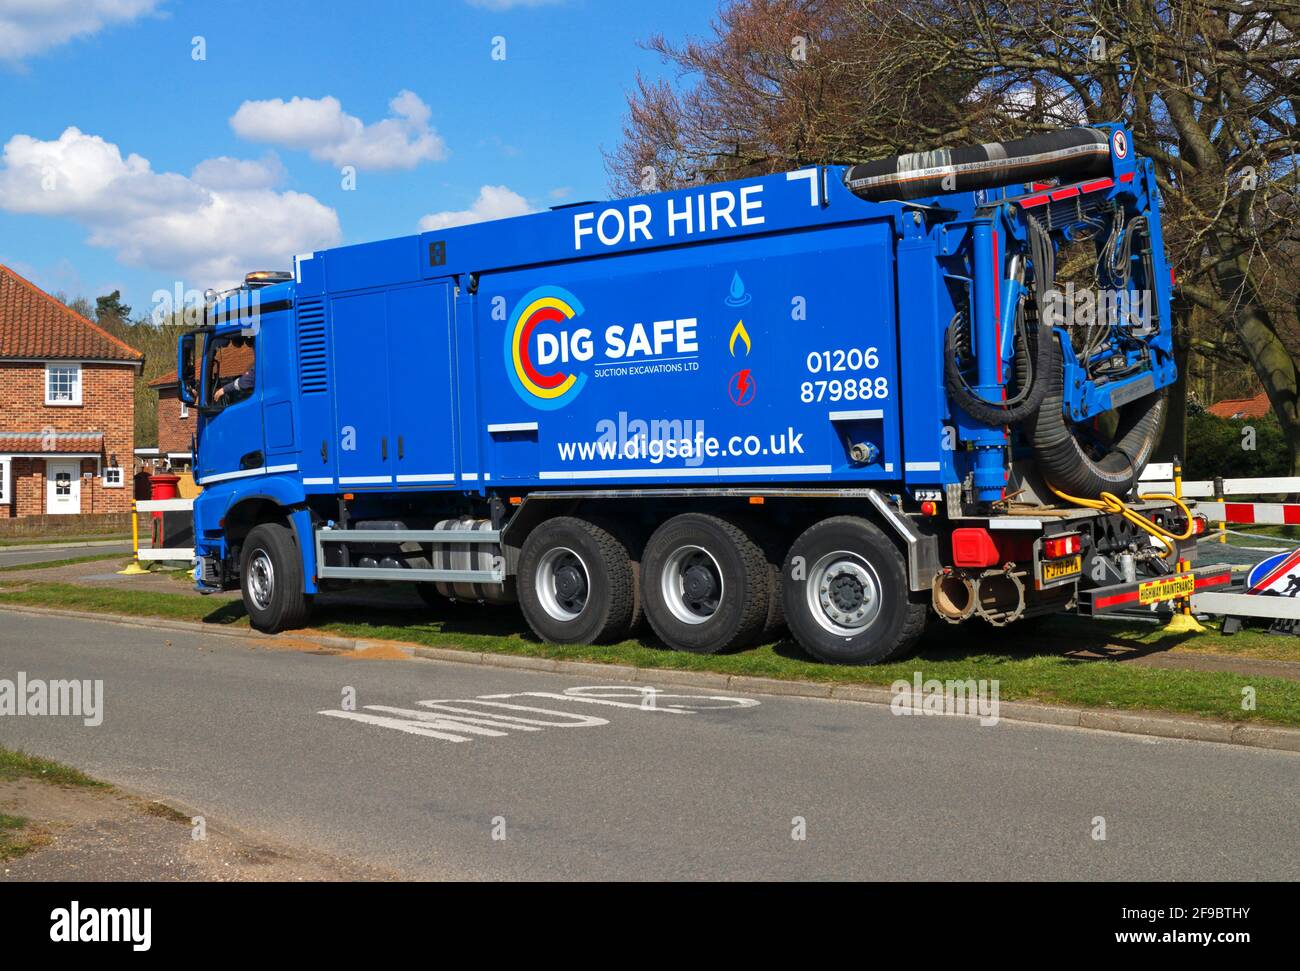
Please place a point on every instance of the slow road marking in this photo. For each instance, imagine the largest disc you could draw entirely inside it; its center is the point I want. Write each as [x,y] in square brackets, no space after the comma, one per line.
[502,715]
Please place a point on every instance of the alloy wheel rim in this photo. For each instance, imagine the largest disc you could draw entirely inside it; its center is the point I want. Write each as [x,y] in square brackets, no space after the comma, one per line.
[692,585]
[261,580]
[843,593]
[563,584]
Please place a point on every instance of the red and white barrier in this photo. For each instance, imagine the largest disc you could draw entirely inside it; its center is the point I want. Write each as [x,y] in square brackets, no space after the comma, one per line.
[1230,487]
[1252,513]
[173,521]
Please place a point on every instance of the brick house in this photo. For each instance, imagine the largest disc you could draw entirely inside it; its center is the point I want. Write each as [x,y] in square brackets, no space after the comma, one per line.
[175,424]
[67,408]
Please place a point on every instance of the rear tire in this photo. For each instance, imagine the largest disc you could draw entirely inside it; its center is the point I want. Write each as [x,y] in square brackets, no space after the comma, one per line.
[705,584]
[576,583]
[773,544]
[846,594]
[271,580]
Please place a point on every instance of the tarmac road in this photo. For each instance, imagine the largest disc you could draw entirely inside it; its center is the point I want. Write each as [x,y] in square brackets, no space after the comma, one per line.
[579,779]
[19,556]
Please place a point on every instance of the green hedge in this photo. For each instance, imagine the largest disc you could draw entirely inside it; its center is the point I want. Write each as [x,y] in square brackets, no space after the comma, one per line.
[1217,447]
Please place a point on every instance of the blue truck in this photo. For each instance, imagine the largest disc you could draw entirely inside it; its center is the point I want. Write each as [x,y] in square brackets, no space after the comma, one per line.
[846,400]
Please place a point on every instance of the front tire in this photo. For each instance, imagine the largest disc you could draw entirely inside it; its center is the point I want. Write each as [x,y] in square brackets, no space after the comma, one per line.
[705,584]
[576,583]
[271,580]
[846,594]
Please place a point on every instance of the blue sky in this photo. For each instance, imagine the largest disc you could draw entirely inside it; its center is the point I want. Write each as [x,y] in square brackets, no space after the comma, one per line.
[179,170]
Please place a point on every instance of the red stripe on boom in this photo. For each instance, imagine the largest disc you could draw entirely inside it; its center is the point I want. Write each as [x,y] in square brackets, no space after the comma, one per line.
[1239,512]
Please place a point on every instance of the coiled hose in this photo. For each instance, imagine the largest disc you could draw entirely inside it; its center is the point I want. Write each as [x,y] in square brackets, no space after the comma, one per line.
[1062,459]
[1033,385]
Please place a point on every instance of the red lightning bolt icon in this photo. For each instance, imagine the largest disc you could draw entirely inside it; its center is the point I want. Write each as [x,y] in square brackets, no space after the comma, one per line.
[744,388]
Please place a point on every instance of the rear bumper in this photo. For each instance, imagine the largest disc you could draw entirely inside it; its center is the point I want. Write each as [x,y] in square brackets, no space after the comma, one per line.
[1150,592]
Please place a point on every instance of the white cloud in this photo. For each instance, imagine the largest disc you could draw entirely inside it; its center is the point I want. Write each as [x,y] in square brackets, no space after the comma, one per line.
[321,126]
[32,26]
[224,172]
[493,202]
[511,4]
[208,229]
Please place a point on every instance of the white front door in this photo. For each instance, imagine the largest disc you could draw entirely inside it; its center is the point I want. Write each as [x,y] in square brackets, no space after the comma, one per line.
[63,488]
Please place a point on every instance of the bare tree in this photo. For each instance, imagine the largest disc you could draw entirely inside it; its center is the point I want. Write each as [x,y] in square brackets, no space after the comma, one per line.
[778,85]
[1208,86]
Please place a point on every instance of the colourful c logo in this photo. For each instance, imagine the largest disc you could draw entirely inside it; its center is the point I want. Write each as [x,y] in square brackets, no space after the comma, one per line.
[544,391]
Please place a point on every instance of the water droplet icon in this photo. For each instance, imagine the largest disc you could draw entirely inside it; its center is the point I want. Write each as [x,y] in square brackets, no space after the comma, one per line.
[737,297]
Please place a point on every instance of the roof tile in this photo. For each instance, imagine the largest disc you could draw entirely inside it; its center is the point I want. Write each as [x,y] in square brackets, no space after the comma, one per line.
[35,325]
[57,442]
[1256,407]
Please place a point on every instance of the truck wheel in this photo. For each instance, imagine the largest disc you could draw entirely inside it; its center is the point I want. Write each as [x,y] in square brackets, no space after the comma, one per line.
[575,583]
[846,594]
[270,578]
[773,545]
[705,584]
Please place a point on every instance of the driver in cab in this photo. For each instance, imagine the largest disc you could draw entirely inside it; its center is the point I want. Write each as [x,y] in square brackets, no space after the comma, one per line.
[230,390]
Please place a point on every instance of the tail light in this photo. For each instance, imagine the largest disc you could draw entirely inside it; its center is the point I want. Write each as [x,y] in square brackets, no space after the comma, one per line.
[1200,524]
[1058,546]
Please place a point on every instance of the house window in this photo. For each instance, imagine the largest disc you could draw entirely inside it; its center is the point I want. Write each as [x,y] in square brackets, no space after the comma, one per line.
[63,384]
[6,488]
[185,410]
[113,478]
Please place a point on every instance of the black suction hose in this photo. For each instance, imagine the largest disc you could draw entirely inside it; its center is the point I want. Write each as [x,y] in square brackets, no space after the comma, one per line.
[995,413]
[1069,155]
[1063,461]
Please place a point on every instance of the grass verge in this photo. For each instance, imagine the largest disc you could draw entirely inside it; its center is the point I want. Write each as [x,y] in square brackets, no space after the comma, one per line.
[15,765]
[18,835]
[17,839]
[1043,664]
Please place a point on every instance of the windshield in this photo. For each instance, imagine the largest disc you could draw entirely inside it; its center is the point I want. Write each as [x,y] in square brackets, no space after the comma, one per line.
[231,370]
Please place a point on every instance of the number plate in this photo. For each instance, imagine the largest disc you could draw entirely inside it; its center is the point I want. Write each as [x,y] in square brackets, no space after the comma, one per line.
[1057,569]
[1166,588]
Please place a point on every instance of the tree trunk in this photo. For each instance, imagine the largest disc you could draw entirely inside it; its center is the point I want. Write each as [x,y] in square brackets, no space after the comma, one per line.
[1268,354]
[1173,440]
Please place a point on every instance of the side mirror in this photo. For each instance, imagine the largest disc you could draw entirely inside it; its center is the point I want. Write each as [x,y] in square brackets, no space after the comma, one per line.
[186,375]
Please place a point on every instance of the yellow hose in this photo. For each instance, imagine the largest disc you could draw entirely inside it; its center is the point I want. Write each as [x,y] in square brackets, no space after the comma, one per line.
[1109,502]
